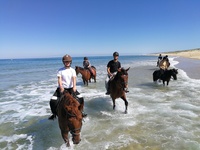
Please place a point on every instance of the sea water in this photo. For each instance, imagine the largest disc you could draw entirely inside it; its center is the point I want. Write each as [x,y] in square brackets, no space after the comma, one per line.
[159,117]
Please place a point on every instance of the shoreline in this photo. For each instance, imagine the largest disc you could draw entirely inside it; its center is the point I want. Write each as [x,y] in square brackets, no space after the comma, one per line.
[189,61]
[190,66]
[194,54]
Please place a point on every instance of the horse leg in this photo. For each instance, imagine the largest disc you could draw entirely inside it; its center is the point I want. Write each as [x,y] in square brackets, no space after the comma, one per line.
[125,102]
[113,103]
[83,80]
[87,83]
[95,78]
[163,82]
[65,137]
[167,82]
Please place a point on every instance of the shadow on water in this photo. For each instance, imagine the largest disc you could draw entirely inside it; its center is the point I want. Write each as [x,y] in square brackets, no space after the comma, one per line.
[96,105]
[152,85]
[46,133]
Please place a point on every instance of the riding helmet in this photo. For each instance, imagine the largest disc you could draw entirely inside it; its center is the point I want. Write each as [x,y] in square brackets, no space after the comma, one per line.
[67,58]
[115,54]
[85,58]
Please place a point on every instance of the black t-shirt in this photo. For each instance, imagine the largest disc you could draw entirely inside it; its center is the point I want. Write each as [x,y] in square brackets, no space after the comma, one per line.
[114,66]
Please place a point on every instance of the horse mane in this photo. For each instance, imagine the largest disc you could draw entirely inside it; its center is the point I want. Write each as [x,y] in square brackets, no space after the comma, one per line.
[120,72]
[71,105]
[80,68]
[124,71]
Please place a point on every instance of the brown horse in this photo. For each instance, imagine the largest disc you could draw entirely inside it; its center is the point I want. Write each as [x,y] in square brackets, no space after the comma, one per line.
[69,118]
[86,74]
[118,86]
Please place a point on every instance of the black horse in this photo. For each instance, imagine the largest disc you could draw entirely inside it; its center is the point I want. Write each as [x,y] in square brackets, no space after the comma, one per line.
[165,75]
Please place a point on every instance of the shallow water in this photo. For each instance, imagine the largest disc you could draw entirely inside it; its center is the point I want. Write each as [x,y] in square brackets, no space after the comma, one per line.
[159,117]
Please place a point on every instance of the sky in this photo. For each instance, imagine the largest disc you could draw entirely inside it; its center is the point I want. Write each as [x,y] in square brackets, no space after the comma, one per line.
[53,28]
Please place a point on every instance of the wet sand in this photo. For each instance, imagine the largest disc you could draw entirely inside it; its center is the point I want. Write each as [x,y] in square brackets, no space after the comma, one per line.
[189,61]
[190,66]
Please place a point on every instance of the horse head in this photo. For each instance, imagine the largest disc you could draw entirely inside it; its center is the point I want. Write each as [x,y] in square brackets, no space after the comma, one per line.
[174,73]
[74,117]
[122,75]
[77,70]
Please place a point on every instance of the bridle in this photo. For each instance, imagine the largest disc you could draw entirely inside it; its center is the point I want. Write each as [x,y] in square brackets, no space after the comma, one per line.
[73,131]
[69,115]
[122,82]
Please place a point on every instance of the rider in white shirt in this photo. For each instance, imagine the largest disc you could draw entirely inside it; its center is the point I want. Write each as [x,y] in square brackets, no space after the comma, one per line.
[66,82]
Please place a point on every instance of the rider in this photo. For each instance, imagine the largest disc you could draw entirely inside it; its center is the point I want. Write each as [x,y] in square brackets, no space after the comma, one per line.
[164,65]
[87,65]
[66,82]
[112,67]
[159,60]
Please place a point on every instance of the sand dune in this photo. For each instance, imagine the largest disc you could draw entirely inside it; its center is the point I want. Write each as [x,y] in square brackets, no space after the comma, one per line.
[194,53]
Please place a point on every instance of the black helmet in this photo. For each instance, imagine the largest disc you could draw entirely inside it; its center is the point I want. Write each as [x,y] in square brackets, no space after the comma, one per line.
[85,58]
[115,54]
[67,58]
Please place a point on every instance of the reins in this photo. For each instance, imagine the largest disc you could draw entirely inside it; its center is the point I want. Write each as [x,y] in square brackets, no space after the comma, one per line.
[74,133]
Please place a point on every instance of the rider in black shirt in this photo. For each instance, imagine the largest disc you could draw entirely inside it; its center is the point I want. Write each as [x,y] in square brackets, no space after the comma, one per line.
[112,67]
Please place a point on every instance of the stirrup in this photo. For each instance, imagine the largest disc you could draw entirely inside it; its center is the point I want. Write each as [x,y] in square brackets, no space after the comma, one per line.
[107,93]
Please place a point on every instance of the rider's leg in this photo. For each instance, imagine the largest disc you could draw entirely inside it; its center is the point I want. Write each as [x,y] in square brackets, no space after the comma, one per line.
[53,103]
[107,85]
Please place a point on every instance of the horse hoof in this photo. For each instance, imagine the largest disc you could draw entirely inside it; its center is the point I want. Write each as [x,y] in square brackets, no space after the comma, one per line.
[125,112]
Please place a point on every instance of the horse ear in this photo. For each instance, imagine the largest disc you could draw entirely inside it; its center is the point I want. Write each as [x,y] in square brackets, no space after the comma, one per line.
[127,69]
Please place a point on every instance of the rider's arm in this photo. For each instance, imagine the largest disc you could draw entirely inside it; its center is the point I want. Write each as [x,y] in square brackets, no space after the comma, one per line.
[108,70]
[60,84]
[74,83]
[89,64]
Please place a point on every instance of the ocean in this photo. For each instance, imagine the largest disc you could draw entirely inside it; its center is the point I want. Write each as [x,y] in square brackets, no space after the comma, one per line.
[159,117]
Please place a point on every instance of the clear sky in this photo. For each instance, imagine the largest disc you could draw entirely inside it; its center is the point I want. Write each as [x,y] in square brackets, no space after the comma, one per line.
[52,28]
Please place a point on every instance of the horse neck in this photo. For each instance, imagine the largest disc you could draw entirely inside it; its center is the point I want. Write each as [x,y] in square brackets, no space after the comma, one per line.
[117,78]
[81,70]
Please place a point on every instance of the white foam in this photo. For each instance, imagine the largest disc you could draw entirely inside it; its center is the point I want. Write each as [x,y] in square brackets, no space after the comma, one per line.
[14,138]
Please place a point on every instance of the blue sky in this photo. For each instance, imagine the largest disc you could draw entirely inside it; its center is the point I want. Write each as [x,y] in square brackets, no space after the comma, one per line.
[50,28]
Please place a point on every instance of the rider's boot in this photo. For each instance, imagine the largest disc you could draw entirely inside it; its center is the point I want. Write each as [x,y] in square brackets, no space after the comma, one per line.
[52,117]
[84,114]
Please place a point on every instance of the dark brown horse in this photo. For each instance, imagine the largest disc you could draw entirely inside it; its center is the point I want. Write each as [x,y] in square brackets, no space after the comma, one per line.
[118,86]
[165,75]
[69,118]
[86,74]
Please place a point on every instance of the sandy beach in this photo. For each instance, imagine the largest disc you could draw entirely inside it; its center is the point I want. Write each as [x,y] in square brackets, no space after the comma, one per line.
[194,53]
[189,61]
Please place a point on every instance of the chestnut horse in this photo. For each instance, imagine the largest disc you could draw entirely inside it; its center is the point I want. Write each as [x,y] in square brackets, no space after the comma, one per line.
[118,86]
[165,75]
[69,118]
[86,74]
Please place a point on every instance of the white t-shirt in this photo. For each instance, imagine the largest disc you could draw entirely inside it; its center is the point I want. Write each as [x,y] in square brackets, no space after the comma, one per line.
[66,75]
